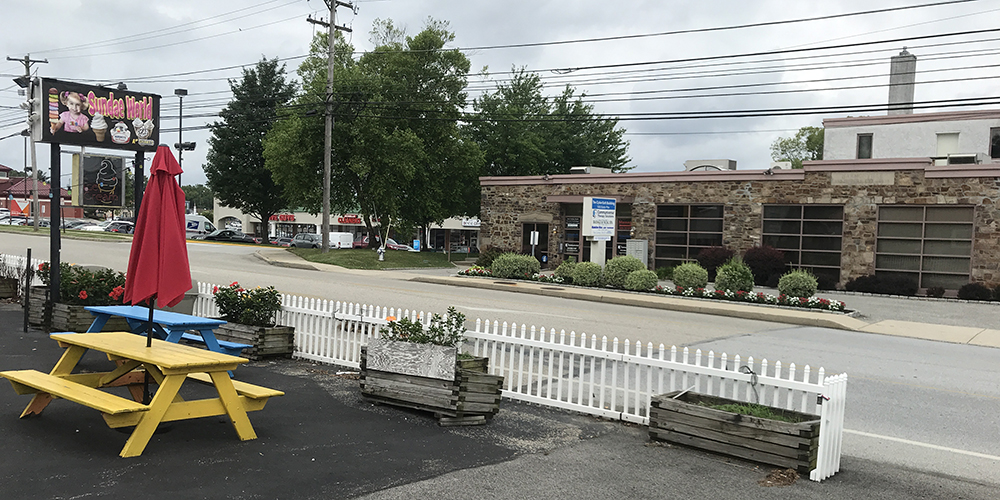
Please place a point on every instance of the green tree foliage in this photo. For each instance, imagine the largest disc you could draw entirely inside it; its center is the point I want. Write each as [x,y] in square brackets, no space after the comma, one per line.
[807,144]
[235,166]
[43,176]
[523,132]
[398,155]
[200,195]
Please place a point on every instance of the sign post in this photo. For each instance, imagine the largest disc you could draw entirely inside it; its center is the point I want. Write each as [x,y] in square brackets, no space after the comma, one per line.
[534,242]
[598,225]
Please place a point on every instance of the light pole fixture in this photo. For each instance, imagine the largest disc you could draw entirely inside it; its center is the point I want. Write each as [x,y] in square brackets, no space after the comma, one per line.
[181,145]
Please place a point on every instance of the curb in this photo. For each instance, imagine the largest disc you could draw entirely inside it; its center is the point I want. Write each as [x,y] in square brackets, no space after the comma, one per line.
[284,263]
[794,317]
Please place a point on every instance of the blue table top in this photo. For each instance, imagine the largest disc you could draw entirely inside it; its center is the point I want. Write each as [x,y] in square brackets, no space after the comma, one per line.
[165,318]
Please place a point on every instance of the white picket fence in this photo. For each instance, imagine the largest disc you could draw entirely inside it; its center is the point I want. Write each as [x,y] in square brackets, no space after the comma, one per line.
[19,261]
[587,374]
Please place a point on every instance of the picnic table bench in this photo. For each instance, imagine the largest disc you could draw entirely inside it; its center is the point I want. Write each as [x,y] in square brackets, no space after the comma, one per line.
[169,326]
[168,364]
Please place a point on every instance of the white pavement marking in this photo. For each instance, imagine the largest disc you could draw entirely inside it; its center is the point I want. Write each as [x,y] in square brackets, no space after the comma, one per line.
[924,445]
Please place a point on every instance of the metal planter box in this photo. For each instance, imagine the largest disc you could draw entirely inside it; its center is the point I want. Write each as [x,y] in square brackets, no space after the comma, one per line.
[688,421]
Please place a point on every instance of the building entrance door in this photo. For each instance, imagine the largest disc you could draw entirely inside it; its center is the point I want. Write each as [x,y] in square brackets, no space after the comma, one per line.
[541,248]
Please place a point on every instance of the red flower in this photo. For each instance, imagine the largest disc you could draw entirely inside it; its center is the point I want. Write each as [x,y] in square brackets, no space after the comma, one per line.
[83,295]
[41,266]
[215,289]
[235,283]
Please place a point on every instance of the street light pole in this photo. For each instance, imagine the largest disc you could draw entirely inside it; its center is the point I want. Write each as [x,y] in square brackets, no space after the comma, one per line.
[180,93]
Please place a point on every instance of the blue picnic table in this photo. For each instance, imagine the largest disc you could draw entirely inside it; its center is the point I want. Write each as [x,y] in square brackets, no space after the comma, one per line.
[169,326]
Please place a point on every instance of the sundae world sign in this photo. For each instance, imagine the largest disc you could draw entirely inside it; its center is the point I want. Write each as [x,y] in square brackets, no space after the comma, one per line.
[599,218]
[85,115]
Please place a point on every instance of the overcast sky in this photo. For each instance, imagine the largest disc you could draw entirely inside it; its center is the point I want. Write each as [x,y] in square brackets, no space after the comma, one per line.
[147,44]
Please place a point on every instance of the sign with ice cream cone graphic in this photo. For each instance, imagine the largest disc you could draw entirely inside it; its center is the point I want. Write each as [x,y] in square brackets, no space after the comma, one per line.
[85,115]
[98,181]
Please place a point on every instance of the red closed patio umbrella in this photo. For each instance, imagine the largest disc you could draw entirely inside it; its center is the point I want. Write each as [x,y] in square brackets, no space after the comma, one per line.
[158,263]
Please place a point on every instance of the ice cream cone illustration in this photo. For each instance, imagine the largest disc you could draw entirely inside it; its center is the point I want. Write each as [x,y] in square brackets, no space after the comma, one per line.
[100,127]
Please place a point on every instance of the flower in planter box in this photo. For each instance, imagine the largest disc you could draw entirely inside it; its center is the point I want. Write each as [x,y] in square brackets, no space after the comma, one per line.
[86,287]
[254,307]
[444,331]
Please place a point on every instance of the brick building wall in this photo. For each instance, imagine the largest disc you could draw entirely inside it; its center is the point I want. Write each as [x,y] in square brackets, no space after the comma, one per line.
[860,186]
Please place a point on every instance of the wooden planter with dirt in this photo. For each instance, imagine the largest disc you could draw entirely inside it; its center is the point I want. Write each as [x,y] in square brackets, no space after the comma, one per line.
[39,307]
[431,378]
[267,341]
[689,420]
[74,318]
[9,288]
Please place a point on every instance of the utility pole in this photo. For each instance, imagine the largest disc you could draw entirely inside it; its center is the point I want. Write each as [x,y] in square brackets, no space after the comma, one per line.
[27,61]
[328,128]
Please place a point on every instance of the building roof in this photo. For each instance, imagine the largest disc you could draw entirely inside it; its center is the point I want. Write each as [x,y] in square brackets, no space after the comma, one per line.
[5,168]
[20,187]
[946,116]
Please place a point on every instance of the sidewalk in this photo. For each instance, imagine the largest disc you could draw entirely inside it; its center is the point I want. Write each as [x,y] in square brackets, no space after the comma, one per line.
[942,320]
[322,440]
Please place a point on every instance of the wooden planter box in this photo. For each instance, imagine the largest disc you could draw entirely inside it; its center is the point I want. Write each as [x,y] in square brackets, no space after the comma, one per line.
[72,318]
[684,421]
[39,307]
[267,341]
[431,378]
[9,288]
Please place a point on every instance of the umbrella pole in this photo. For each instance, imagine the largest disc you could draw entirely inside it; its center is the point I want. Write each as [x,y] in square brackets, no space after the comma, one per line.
[149,342]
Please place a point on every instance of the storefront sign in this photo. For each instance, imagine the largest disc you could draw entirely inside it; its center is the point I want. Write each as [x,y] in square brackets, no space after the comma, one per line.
[98,181]
[572,222]
[471,222]
[599,217]
[572,247]
[283,217]
[876,178]
[85,115]
[350,219]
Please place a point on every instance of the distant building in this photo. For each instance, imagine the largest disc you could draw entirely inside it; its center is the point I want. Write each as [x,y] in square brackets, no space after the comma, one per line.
[16,196]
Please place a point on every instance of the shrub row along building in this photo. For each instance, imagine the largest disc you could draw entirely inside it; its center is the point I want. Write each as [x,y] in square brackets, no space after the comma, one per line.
[912,195]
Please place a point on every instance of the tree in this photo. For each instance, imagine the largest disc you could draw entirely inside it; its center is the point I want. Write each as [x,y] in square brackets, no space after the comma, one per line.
[398,154]
[43,176]
[807,144]
[235,164]
[200,196]
[522,132]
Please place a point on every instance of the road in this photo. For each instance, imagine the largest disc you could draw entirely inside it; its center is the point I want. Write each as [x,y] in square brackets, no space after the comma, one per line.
[913,404]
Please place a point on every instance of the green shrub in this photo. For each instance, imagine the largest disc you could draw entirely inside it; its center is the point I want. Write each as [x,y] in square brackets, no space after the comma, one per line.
[798,283]
[690,275]
[765,262]
[641,280]
[444,331]
[935,291]
[887,285]
[975,291]
[254,306]
[619,268]
[587,274]
[565,270]
[712,257]
[665,273]
[734,276]
[487,256]
[515,266]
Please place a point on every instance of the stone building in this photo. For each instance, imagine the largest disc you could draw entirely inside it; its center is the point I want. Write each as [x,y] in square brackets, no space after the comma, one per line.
[931,215]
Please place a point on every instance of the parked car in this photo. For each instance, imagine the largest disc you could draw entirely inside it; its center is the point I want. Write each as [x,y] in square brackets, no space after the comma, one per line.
[199,225]
[227,235]
[307,240]
[96,226]
[392,245]
[75,223]
[120,226]
[281,241]
[15,220]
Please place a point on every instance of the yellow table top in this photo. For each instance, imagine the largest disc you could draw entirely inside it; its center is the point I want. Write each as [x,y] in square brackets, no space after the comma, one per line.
[166,355]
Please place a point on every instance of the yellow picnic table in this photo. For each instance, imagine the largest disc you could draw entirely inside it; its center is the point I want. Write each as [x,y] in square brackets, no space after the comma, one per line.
[168,364]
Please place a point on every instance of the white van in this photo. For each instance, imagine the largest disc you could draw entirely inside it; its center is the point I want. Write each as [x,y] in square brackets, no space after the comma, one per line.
[197,225]
[341,240]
